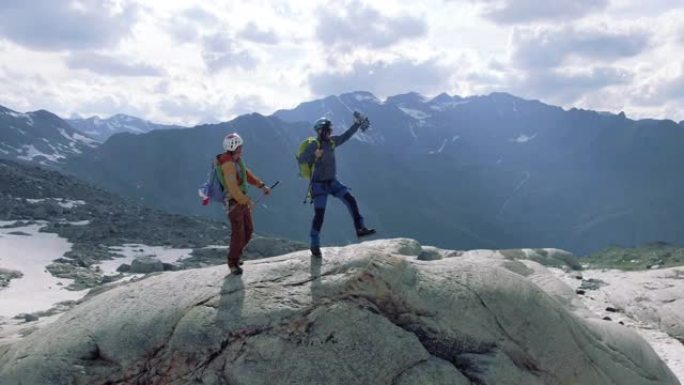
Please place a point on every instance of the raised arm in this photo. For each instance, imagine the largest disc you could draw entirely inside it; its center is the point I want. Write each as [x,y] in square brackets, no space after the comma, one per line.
[339,139]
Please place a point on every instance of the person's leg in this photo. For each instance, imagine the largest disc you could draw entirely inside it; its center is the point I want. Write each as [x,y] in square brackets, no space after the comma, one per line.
[317,222]
[247,230]
[237,235]
[341,192]
[249,226]
[320,199]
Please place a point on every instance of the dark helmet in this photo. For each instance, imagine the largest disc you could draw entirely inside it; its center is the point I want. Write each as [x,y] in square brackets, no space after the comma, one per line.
[321,124]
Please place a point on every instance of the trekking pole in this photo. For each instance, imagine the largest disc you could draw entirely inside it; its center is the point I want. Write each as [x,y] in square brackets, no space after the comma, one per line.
[258,199]
[306,195]
[263,194]
[308,190]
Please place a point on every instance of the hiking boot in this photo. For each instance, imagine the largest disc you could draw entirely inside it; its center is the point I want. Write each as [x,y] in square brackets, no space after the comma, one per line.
[316,252]
[364,232]
[236,270]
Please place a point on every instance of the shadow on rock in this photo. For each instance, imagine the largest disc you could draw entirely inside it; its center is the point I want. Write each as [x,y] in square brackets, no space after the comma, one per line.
[231,301]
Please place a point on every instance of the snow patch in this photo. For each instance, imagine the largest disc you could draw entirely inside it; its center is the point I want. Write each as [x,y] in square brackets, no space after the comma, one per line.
[85,140]
[37,289]
[79,223]
[441,148]
[448,105]
[413,132]
[366,98]
[65,203]
[522,138]
[15,114]
[64,133]
[415,114]
[31,152]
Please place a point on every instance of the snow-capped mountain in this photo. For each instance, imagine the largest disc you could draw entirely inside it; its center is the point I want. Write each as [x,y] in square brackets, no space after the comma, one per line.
[102,129]
[506,172]
[39,136]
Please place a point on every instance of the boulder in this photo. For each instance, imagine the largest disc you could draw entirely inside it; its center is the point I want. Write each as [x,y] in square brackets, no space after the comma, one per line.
[6,275]
[364,314]
[261,247]
[145,265]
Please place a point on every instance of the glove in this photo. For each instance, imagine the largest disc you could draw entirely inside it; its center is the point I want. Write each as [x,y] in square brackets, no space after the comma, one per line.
[359,117]
[361,120]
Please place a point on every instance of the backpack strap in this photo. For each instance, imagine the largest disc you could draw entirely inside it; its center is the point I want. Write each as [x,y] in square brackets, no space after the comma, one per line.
[239,166]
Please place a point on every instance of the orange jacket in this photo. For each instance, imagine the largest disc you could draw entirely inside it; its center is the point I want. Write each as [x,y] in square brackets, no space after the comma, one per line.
[233,181]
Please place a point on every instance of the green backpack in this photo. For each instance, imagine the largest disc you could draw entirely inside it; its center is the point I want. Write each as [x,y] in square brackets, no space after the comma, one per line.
[306,169]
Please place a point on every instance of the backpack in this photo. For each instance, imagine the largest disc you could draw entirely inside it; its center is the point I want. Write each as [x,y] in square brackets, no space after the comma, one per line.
[212,189]
[306,169]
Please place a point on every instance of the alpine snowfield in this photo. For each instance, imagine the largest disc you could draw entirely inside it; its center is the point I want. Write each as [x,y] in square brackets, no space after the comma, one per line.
[27,250]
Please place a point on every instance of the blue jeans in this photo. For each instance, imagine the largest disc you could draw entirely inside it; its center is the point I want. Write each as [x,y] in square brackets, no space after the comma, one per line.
[319,193]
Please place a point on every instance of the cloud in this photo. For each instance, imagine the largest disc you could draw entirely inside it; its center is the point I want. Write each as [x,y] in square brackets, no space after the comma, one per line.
[220,51]
[253,33]
[359,25]
[110,65]
[109,105]
[52,25]
[550,47]
[246,104]
[185,26]
[383,79]
[528,11]
[190,111]
[567,86]
[199,15]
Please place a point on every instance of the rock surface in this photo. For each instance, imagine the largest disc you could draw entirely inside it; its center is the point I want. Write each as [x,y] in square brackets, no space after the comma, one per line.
[365,314]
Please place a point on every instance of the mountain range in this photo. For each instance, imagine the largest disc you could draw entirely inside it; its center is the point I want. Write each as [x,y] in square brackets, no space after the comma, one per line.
[39,136]
[101,129]
[493,171]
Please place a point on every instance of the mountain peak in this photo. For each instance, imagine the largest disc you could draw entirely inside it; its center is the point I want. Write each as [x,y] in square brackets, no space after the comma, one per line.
[444,98]
[407,98]
[361,96]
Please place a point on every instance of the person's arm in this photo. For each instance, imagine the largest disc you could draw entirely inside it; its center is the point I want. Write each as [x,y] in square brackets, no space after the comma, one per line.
[230,177]
[254,181]
[339,139]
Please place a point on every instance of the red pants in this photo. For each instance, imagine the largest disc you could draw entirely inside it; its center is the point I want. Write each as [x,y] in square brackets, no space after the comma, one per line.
[241,228]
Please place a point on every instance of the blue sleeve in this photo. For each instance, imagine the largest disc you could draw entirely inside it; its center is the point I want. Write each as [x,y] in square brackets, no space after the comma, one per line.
[309,156]
[339,139]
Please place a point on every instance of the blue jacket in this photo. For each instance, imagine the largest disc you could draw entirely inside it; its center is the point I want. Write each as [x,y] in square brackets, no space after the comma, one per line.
[324,168]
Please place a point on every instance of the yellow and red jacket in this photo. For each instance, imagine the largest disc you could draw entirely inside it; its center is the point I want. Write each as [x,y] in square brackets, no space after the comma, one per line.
[235,178]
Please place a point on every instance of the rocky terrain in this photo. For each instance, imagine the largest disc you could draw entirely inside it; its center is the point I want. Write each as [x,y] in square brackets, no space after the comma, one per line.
[58,233]
[381,312]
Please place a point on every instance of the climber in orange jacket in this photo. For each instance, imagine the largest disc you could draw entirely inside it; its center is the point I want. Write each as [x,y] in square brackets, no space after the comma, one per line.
[236,176]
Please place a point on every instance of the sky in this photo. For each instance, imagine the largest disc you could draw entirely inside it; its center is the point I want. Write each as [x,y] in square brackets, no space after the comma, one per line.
[189,62]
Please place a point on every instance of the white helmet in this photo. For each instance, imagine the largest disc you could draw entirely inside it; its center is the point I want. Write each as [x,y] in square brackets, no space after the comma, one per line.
[232,141]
